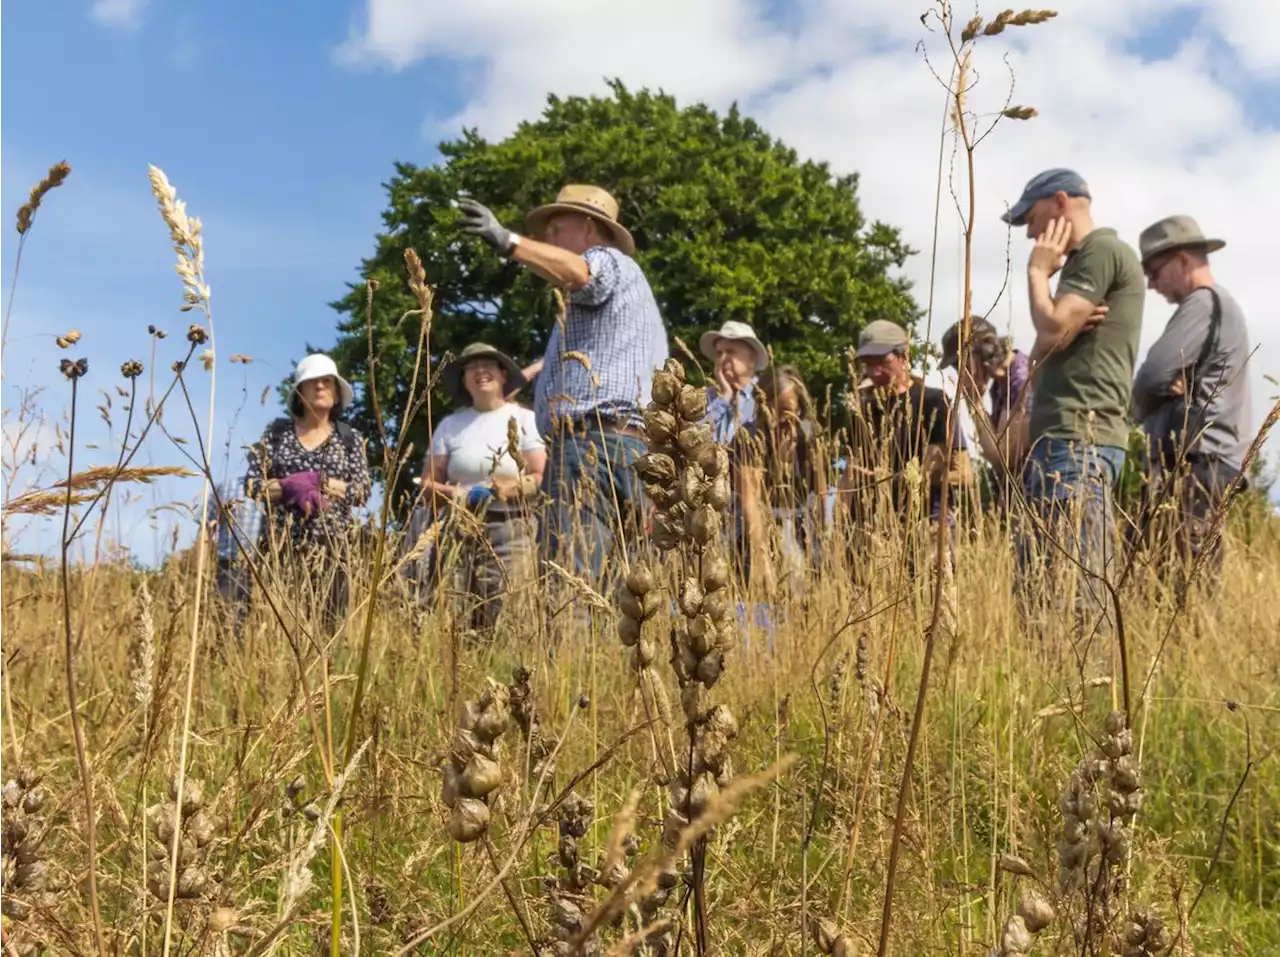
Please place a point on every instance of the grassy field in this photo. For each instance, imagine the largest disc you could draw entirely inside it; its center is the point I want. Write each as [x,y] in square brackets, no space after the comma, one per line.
[1006,719]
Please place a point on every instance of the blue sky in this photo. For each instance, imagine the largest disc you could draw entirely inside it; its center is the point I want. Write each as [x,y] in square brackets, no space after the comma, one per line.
[279,122]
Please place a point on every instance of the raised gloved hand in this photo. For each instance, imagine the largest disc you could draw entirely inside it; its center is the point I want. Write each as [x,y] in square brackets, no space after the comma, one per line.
[478,496]
[479,221]
[301,491]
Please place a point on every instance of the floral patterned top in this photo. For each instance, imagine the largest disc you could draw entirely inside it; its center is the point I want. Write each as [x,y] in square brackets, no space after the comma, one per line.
[279,454]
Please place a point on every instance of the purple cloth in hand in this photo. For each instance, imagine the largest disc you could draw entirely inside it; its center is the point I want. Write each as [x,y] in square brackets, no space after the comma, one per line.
[301,491]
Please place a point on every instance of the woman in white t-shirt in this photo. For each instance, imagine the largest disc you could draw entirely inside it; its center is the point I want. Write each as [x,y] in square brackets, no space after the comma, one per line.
[487,459]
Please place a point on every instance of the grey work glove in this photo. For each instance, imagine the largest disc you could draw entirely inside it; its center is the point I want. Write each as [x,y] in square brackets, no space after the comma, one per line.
[480,221]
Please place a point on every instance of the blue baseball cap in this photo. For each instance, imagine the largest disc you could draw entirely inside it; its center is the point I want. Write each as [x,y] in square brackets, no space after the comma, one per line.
[1042,186]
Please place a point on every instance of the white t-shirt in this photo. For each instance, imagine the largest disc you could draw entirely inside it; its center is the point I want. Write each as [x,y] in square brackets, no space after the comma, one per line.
[476,443]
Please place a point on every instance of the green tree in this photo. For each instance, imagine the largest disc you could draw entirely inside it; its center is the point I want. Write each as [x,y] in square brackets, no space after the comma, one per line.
[729,224]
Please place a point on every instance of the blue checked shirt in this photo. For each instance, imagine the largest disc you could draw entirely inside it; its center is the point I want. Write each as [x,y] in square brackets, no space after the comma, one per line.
[614,322]
[244,511]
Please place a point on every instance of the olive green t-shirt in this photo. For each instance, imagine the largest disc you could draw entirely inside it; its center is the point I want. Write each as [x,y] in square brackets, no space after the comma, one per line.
[1083,391]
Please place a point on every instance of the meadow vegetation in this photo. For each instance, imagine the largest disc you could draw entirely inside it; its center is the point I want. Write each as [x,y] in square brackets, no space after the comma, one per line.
[651,769]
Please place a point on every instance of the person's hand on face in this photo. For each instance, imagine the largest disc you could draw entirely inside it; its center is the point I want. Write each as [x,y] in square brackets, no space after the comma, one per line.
[1050,249]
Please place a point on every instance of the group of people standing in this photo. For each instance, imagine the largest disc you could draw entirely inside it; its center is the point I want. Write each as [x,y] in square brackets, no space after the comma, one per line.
[511,484]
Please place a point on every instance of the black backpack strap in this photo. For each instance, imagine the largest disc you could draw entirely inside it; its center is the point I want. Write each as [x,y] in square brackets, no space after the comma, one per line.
[1210,344]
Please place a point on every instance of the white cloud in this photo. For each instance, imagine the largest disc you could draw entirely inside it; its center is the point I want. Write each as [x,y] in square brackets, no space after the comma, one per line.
[844,83]
[118,13]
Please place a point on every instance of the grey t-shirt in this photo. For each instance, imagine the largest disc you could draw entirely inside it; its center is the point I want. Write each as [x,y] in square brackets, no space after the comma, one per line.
[1221,410]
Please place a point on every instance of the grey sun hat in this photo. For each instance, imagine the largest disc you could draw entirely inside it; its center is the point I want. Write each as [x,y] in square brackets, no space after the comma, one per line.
[451,377]
[881,337]
[1174,232]
[1042,186]
[978,329]
[740,331]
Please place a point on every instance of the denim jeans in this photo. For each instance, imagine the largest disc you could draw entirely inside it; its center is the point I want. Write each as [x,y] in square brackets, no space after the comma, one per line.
[235,585]
[585,472]
[1068,486]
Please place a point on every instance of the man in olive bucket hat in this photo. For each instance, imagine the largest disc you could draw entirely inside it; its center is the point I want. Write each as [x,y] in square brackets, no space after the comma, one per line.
[594,379]
[1191,392]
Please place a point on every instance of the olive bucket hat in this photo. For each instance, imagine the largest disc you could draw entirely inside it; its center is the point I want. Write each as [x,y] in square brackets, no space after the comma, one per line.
[451,377]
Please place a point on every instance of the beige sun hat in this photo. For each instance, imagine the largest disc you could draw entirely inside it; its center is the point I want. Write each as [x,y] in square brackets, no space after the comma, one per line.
[591,200]
[740,331]
[1174,232]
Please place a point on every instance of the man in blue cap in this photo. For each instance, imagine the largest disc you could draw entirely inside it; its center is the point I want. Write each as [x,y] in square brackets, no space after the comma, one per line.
[1086,346]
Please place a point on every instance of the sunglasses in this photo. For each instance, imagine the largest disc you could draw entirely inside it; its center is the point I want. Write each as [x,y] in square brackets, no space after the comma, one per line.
[1155,267]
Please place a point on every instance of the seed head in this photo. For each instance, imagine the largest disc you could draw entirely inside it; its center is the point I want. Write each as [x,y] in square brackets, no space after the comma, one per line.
[196,334]
[74,369]
[131,369]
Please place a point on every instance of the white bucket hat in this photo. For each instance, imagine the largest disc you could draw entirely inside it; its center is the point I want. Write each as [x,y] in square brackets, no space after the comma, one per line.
[317,366]
[734,330]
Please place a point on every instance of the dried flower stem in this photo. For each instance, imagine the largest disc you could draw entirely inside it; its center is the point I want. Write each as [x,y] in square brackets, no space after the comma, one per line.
[57,174]
[82,760]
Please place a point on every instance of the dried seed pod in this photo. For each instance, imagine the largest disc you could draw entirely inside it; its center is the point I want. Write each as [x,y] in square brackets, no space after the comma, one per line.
[480,776]
[662,496]
[31,876]
[665,388]
[1116,722]
[192,883]
[657,467]
[311,811]
[703,524]
[1036,912]
[691,486]
[199,828]
[640,579]
[465,744]
[716,606]
[709,668]
[1016,865]
[33,800]
[492,723]
[567,914]
[701,794]
[672,825]
[673,366]
[721,721]
[469,820]
[1016,938]
[711,753]
[691,403]
[660,426]
[295,787]
[719,494]
[715,572]
[12,795]
[694,437]
[27,777]
[628,631]
[693,699]
[1124,774]
[162,822]
[685,662]
[702,636]
[449,786]
[713,460]
[691,597]
[17,909]
[645,652]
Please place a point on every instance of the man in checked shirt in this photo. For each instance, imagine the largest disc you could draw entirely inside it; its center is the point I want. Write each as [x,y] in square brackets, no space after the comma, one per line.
[596,373]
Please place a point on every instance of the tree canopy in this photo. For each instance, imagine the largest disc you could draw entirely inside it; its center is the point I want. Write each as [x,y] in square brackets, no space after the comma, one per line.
[729,224]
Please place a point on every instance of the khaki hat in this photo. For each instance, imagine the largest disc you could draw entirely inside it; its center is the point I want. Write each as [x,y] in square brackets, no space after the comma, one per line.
[881,337]
[734,330]
[590,200]
[451,377]
[1174,232]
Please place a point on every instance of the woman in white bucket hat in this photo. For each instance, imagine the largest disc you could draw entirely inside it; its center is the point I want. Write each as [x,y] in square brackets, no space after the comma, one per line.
[311,470]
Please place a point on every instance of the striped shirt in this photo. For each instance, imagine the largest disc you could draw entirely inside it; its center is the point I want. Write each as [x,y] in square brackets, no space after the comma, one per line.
[613,322]
[726,416]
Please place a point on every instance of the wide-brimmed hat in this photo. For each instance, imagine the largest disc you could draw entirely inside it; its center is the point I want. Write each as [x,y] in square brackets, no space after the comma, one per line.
[734,330]
[451,377]
[1174,232]
[589,200]
[317,366]
[881,337]
[979,329]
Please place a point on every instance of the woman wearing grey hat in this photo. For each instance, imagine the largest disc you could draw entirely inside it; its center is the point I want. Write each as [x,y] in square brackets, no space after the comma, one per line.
[483,470]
